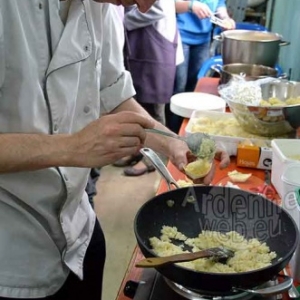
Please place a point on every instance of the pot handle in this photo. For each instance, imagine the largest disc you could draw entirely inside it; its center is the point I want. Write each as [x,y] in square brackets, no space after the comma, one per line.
[284,43]
[217,68]
[283,76]
[285,285]
[218,38]
[160,167]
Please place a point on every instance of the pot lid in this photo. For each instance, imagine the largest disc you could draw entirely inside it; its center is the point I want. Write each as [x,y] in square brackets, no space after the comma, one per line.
[251,35]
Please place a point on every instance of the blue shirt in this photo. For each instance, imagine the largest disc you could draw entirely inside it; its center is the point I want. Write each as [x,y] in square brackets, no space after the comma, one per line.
[196,31]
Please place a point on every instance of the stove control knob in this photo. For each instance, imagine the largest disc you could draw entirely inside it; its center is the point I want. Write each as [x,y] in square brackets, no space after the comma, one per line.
[130,288]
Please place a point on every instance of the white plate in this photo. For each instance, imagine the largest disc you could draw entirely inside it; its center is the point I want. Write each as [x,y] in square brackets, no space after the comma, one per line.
[183,104]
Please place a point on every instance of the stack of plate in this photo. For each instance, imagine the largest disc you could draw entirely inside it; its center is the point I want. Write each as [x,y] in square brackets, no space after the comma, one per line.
[183,104]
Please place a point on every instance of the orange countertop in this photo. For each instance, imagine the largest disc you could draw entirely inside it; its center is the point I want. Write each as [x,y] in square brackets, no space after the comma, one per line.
[205,85]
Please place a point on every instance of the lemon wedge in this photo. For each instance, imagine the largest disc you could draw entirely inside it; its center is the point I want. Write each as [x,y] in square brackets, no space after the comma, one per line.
[236,176]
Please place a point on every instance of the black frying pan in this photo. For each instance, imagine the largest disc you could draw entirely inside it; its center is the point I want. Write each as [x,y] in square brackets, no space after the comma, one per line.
[220,209]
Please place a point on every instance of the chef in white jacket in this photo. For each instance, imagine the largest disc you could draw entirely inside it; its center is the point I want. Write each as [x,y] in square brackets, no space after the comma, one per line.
[65,106]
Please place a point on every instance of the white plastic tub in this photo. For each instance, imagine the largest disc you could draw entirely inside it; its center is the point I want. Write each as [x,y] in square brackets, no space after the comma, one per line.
[291,203]
[291,184]
[283,151]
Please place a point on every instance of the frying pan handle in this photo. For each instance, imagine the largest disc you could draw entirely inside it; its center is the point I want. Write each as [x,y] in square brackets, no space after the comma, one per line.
[159,166]
[285,285]
[218,38]
[284,43]
[283,76]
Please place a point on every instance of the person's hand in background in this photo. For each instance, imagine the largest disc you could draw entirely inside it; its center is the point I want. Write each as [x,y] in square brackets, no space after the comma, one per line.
[228,24]
[201,10]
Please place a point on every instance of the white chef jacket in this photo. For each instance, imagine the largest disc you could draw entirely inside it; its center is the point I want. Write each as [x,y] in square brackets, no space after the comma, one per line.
[53,80]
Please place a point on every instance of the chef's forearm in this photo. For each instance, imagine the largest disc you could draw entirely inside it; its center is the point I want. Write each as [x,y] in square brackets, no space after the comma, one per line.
[29,152]
[156,142]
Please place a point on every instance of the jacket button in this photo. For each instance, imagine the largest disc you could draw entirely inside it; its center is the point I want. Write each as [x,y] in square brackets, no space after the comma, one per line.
[55,127]
[86,109]
[40,6]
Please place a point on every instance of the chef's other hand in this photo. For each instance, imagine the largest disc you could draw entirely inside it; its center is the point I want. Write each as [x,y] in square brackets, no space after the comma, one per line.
[178,153]
[220,155]
[201,10]
[228,24]
[110,138]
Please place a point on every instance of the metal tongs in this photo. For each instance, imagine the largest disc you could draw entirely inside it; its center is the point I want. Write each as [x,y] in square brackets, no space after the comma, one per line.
[216,20]
[160,167]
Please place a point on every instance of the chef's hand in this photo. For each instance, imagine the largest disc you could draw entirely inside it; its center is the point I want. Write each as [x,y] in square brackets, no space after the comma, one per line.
[180,156]
[109,138]
[224,159]
[201,10]
[220,155]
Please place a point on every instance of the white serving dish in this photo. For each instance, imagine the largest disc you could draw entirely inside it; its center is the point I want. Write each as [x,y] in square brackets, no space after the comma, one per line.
[183,104]
[283,149]
[227,142]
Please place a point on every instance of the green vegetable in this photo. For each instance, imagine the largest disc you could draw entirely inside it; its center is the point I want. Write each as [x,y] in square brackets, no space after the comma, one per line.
[207,148]
[170,203]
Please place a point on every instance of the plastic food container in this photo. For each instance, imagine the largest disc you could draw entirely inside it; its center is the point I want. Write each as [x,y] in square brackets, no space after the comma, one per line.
[225,130]
[291,185]
[291,203]
[285,152]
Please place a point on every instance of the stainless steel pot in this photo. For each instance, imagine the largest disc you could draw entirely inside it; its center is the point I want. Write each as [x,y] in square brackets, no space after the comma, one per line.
[250,47]
[248,71]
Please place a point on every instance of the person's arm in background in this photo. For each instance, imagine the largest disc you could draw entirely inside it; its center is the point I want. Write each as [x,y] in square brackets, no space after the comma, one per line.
[198,8]
[203,11]
[134,19]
